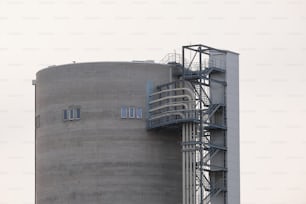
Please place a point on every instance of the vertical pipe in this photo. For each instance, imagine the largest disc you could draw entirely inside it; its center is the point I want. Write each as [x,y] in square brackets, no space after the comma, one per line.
[201,131]
[183,164]
[149,90]
[190,163]
[183,60]
[170,74]
[194,163]
[192,158]
[187,164]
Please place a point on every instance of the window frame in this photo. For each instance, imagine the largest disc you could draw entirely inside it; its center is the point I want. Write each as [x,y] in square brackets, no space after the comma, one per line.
[124,112]
[77,113]
[71,113]
[132,112]
[139,113]
[65,114]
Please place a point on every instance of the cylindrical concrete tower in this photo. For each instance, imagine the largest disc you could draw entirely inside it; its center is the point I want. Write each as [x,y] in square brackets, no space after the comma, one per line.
[92,145]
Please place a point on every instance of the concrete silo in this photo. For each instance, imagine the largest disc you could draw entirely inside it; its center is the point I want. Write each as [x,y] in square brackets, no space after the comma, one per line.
[92,145]
[140,132]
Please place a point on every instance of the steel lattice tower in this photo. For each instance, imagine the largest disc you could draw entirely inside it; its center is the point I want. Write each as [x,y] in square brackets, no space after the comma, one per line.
[199,103]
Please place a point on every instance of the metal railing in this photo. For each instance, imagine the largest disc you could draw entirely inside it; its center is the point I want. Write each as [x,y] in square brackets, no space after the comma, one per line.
[171,58]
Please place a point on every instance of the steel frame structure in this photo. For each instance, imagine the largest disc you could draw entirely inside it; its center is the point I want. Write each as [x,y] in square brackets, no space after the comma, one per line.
[188,103]
[199,74]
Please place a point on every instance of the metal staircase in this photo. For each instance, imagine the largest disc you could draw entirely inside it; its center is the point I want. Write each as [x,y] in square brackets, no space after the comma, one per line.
[188,104]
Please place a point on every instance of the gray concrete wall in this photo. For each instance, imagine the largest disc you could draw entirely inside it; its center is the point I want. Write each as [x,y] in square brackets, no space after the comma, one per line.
[229,95]
[232,107]
[102,158]
[218,136]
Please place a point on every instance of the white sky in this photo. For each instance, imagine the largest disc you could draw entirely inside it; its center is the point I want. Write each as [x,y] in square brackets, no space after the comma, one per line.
[269,35]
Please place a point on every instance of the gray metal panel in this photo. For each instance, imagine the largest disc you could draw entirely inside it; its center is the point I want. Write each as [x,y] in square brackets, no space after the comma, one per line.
[232,107]
[103,158]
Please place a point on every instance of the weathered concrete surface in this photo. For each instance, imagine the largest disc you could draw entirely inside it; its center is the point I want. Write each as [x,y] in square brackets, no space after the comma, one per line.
[102,158]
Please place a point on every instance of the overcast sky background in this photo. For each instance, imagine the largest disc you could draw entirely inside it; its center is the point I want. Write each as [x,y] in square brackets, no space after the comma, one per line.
[269,35]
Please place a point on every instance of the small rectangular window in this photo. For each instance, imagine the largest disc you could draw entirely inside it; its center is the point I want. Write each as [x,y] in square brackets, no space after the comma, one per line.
[78,113]
[71,117]
[65,114]
[131,112]
[72,113]
[124,112]
[139,113]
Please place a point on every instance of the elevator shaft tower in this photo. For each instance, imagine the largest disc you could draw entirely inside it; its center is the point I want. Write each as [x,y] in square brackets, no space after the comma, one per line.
[199,103]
